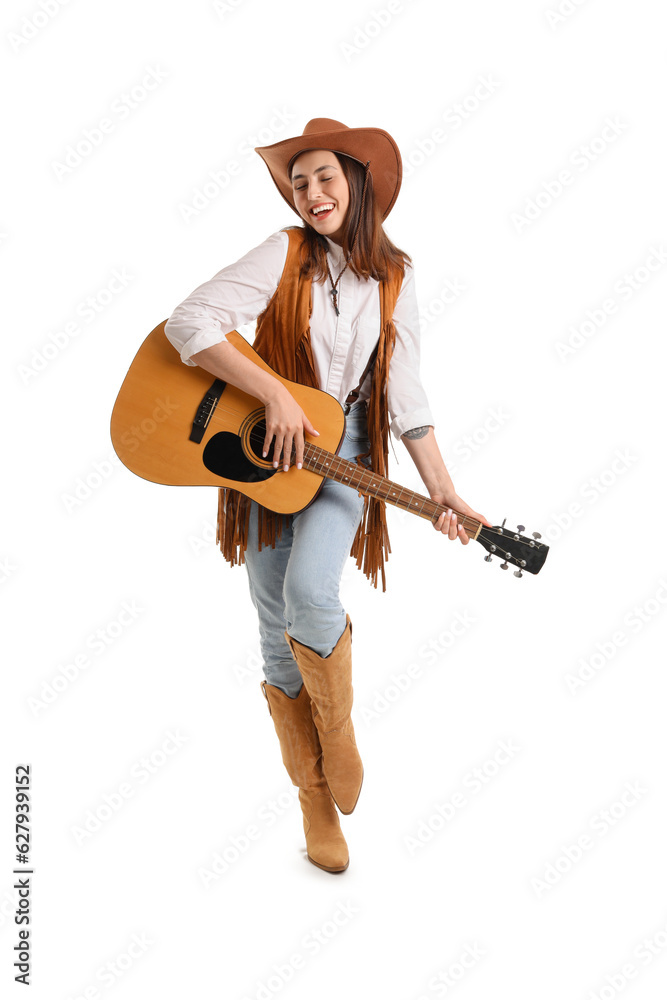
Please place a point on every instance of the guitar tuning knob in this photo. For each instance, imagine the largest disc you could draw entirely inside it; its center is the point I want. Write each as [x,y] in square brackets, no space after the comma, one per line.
[518,572]
[521,527]
[487,558]
[504,565]
[536,534]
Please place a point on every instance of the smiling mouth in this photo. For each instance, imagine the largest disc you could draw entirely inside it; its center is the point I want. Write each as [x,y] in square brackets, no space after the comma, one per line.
[322,211]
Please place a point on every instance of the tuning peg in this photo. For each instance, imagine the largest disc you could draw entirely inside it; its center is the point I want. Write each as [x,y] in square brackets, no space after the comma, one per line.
[488,558]
[536,534]
[521,527]
[518,572]
[504,565]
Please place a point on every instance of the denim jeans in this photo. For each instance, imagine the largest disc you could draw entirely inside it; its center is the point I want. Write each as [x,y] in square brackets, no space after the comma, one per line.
[295,586]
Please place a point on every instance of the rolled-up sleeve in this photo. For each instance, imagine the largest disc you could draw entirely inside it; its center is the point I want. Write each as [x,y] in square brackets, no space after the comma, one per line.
[406,398]
[235,295]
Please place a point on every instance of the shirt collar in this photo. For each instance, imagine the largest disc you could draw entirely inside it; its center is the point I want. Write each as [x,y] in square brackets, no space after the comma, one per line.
[335,250]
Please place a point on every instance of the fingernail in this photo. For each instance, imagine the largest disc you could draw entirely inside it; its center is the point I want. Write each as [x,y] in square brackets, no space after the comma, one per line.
[264,454]
[275,465]
[298,465]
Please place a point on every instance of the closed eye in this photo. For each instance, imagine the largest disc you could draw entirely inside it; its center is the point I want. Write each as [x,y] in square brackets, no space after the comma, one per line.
[300,187]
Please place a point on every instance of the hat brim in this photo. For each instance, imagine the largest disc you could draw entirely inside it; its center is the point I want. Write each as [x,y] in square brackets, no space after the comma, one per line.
[362,144]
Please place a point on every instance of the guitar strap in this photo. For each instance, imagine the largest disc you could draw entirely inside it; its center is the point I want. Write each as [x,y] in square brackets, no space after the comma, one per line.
[354,395]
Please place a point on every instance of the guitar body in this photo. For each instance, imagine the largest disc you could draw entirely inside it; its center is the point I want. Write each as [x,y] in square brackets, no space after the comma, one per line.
[161,403]
[177,425]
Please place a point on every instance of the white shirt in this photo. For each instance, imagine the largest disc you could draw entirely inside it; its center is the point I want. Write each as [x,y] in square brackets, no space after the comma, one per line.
[341,344]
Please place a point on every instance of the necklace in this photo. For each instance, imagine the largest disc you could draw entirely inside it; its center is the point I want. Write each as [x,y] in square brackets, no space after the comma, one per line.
[334,291]
[334,284]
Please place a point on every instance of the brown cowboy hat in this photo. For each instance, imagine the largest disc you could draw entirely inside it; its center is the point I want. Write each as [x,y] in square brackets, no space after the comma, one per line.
[362,144]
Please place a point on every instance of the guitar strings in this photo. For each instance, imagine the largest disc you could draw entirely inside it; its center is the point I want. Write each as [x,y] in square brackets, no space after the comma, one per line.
[367,476]
[256,437]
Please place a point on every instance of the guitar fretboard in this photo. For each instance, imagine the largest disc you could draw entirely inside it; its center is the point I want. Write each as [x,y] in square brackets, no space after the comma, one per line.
[348,472]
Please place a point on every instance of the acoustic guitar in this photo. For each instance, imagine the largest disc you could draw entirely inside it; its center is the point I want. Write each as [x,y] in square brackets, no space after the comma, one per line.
[171,425]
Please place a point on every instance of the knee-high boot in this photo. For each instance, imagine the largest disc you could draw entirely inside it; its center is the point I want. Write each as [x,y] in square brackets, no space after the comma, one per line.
[301,753]
[329,684]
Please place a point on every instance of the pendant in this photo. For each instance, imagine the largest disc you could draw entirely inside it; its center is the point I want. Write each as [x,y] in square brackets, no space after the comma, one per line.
[334,296]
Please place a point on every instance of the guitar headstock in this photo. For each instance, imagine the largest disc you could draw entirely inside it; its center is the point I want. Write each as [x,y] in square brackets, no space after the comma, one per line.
[527,554]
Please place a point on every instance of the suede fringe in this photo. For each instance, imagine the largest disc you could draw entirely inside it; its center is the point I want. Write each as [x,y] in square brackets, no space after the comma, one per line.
[283,341]
[232,526]
[371,545]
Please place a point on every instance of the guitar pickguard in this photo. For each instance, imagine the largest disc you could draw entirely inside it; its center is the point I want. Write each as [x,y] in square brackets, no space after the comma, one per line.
[224,456]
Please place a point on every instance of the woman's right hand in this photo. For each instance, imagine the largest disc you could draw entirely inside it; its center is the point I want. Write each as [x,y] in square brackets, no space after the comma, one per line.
[285,420]
[286,425]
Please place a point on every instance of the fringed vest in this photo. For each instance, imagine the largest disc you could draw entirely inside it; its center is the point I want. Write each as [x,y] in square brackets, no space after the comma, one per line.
[283,341]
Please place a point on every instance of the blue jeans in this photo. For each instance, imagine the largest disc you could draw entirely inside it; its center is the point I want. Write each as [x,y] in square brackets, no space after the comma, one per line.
[295,586]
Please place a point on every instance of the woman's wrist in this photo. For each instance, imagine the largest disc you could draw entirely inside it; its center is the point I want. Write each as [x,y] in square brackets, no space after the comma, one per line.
[270,389]
[424,451]
[441,488]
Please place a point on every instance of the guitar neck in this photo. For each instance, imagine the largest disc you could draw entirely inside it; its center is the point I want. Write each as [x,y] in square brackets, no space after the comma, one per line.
[349,473]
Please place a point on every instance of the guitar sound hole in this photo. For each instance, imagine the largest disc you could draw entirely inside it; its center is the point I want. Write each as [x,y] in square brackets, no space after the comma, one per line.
[256,441]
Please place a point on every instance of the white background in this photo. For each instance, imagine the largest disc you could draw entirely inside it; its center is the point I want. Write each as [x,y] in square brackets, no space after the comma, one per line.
[577,454]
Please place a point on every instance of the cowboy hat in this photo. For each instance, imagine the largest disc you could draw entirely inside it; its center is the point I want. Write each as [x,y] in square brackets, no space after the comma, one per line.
[362,144]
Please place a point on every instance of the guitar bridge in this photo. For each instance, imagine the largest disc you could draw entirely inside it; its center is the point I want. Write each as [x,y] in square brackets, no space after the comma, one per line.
[205,410]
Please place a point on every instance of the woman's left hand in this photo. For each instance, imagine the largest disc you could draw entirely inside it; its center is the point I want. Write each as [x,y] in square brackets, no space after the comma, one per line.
[449,523]
[424,452]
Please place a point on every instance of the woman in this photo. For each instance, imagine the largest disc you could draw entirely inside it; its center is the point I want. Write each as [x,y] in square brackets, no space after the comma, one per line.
[355,336]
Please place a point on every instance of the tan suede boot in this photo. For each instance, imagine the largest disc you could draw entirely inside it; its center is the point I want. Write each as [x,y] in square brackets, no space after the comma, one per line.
[301,753]
[329,684]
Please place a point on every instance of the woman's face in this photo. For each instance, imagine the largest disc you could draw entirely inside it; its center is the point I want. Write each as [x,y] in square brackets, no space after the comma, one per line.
[321,192]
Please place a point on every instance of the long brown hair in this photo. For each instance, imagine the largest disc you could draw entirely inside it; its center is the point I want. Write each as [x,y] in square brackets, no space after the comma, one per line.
[375,256]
